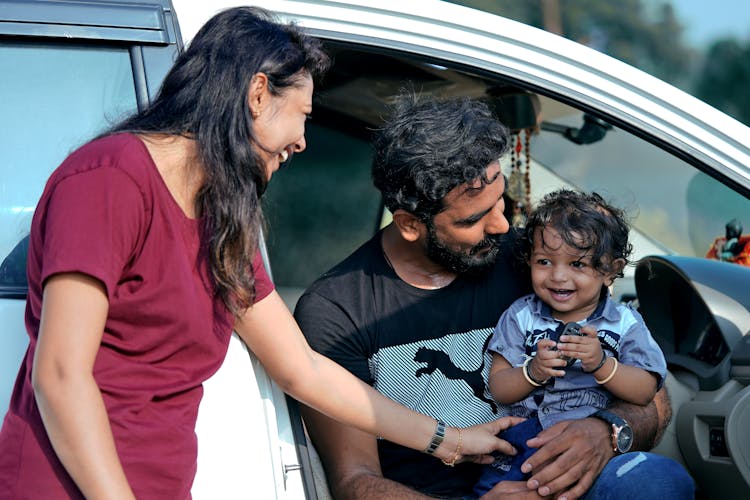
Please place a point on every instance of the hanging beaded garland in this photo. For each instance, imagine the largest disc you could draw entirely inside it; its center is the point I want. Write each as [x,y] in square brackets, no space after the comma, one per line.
[516,190]
[519,185]
[527,172]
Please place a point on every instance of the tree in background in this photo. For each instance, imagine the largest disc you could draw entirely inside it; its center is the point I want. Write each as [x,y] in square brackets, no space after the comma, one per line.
[649,37]
[723,79]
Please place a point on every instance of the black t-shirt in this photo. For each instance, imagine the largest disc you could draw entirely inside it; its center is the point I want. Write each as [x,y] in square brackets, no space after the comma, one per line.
[422,348]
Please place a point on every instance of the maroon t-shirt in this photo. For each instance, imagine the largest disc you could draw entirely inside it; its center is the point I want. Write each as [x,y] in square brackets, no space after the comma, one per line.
[107,213]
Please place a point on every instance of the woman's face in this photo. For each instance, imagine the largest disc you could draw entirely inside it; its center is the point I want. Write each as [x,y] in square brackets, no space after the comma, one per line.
[279,121]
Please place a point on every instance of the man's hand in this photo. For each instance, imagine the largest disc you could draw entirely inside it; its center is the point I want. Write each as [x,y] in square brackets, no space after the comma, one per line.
[571,455]
[512,490]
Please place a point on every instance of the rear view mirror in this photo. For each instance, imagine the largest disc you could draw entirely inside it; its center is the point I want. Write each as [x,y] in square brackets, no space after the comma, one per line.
[518,110]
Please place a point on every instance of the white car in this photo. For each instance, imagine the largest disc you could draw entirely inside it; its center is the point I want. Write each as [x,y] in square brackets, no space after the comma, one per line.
[582,119]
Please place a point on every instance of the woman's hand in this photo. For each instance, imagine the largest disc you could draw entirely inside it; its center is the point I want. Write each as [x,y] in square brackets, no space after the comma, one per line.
[477,442]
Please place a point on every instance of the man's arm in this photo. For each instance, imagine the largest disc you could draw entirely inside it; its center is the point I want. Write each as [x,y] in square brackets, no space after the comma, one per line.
[351,461]
[648,422]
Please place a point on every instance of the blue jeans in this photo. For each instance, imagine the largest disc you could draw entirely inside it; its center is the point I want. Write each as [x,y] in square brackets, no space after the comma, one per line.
[507,467]
[626,477]
[644,476]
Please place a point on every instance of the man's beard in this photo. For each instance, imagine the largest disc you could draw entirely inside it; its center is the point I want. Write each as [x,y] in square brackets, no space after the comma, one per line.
[469,262]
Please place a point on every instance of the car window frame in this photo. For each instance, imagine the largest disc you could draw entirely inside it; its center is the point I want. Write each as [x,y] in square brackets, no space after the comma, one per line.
[148,29]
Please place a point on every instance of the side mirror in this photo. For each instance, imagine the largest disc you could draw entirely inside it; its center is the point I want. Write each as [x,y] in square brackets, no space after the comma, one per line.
[593,130]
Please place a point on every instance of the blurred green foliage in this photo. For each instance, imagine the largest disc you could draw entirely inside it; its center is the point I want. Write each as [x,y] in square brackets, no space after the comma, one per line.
[724,77]
[649,37]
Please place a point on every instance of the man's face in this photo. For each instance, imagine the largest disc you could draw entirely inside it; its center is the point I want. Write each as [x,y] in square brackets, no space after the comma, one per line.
[465,237]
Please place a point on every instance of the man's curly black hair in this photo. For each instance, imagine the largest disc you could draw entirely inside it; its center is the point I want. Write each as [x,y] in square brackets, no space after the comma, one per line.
[429,146]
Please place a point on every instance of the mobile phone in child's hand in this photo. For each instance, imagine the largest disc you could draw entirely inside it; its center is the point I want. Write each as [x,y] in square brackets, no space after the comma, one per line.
[571,328]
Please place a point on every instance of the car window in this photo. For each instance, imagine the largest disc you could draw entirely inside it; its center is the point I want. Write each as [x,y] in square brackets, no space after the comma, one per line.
[319,208]
[324,206]
[680,209]
[55,97]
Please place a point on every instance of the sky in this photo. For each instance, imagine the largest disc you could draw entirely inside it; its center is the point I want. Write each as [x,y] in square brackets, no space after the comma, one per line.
[705,20]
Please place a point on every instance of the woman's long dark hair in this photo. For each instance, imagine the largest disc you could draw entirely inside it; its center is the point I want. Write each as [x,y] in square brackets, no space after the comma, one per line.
[204,97]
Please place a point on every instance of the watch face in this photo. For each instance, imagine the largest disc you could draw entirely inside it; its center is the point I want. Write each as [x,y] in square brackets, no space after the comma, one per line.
[624,439]
[622,433]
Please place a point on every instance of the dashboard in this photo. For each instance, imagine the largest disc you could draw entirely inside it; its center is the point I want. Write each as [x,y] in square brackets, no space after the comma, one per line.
[698,311]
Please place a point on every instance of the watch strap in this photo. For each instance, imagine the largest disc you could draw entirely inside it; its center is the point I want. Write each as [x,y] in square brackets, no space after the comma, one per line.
[437,437]
[610,418]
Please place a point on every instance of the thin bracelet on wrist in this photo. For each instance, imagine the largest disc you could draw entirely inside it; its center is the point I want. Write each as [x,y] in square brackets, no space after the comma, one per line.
[437,437]
[457,453]
[526,370]
[601,363]
[609,377]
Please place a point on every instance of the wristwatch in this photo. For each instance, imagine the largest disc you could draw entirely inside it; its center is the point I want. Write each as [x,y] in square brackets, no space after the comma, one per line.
[622,433]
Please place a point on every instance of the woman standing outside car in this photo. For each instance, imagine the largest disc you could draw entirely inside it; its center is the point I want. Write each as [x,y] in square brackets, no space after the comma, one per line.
[144,257]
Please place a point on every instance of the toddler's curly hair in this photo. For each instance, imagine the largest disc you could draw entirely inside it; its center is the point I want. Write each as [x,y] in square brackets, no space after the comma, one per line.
[585,222]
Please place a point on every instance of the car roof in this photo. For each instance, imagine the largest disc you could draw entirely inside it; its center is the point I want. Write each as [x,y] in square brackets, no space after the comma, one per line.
[146,21]
[540,61]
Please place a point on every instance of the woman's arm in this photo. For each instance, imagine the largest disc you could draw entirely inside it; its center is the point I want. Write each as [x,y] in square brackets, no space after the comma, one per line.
[74,311]
[272,334]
